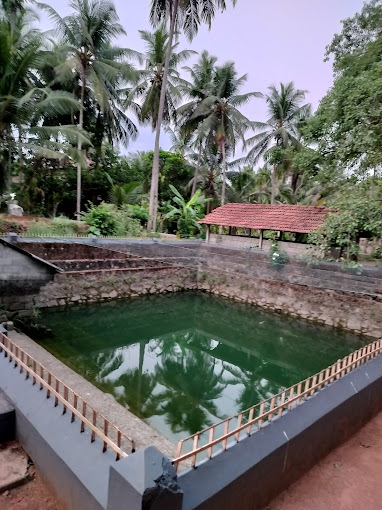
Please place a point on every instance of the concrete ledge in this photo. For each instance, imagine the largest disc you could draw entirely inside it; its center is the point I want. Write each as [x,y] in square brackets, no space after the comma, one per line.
[253,472]
[75,468]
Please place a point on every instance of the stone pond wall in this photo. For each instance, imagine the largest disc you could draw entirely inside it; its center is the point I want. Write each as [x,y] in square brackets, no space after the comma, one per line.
[323,292]
[68,289]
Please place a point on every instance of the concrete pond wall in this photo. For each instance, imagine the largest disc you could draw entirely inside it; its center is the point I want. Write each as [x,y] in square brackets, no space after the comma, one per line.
[250,473]
[22,273]
[247,475]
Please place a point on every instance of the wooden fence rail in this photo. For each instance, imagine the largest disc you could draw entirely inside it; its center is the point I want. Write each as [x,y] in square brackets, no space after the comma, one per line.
[111,436]
[216,438]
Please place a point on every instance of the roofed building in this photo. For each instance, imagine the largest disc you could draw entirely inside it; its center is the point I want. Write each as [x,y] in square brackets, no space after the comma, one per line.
[250,219]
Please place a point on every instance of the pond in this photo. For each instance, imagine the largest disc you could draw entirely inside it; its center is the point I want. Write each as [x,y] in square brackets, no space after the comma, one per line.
[184,361]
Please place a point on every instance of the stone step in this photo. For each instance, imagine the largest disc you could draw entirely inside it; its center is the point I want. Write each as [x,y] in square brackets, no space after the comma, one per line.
[97,264]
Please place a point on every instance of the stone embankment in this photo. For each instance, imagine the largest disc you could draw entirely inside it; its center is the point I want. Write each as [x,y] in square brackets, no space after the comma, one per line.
[322,292]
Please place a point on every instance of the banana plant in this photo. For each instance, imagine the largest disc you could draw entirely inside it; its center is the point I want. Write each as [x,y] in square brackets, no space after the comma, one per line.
[188,213]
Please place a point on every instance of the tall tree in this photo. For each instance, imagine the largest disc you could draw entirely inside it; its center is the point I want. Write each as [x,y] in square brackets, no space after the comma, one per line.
[286,112]
[25,100]
[357,33]
[87,36]
[348,123]
[149,79]
[184,15]
[219,120]
[198,89]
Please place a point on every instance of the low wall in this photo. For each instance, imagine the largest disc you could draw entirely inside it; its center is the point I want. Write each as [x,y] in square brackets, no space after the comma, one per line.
[251,473]
[80,474]
[254,242]
[21,277]
[359,314]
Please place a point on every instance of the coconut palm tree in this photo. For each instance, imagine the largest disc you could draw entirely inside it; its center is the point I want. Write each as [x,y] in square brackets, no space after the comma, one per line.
[286,112]
[98,68]
[185,16]
[26,103]
[219,120]
[198,89]
[149,79]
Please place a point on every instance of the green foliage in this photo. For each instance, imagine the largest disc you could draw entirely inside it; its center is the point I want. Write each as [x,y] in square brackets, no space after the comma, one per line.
[188,213]
[109,220]
[173,169]
[139,212]
[60,226]
[147,88]
[102,219]
[348,122]
[128,224]
[277,257]
[357,212]
[357,33]
[377,252]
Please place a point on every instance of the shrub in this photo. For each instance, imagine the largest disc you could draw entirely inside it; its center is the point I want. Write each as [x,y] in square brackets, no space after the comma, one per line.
[277,258]
[102,219]
[109,220]
[139,212]
[128,224]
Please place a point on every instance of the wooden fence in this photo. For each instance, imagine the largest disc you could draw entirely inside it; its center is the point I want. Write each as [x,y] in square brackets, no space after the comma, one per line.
[220,436]
[110,435]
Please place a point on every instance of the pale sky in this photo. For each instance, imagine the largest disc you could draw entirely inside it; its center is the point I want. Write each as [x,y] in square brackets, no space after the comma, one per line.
[272,41]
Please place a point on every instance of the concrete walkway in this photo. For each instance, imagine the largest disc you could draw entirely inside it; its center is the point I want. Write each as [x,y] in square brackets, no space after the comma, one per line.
[349,478]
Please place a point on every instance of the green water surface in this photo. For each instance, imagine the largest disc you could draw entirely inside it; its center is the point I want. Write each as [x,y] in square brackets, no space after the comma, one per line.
[184,361]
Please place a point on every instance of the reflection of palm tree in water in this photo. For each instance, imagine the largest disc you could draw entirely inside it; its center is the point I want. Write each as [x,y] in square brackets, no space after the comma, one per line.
[256,386]
[138,395]
[137,385]
[96,368]
[191,386]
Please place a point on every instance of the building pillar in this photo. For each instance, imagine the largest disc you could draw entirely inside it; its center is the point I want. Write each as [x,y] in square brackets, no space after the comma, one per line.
[208,233]
[261,240]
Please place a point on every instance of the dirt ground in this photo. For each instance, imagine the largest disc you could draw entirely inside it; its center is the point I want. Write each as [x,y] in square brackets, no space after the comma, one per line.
[34,495]
[349,478]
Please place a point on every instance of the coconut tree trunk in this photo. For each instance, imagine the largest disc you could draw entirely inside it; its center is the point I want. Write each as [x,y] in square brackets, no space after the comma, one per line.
[8,186]
[79,147]
[273,185]
[223,173]
[223,178]
[194,184]
[153,207]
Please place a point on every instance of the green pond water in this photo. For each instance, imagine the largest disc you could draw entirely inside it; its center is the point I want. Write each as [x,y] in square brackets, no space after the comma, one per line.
[184,361]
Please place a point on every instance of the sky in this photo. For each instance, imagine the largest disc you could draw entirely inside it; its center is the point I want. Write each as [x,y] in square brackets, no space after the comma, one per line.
[271,41]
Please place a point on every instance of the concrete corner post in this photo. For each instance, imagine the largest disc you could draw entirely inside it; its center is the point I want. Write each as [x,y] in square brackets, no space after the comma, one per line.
[13,237]
[146,480]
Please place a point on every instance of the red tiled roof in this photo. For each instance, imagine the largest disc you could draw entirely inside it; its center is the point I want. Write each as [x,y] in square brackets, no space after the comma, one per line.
[287,218]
